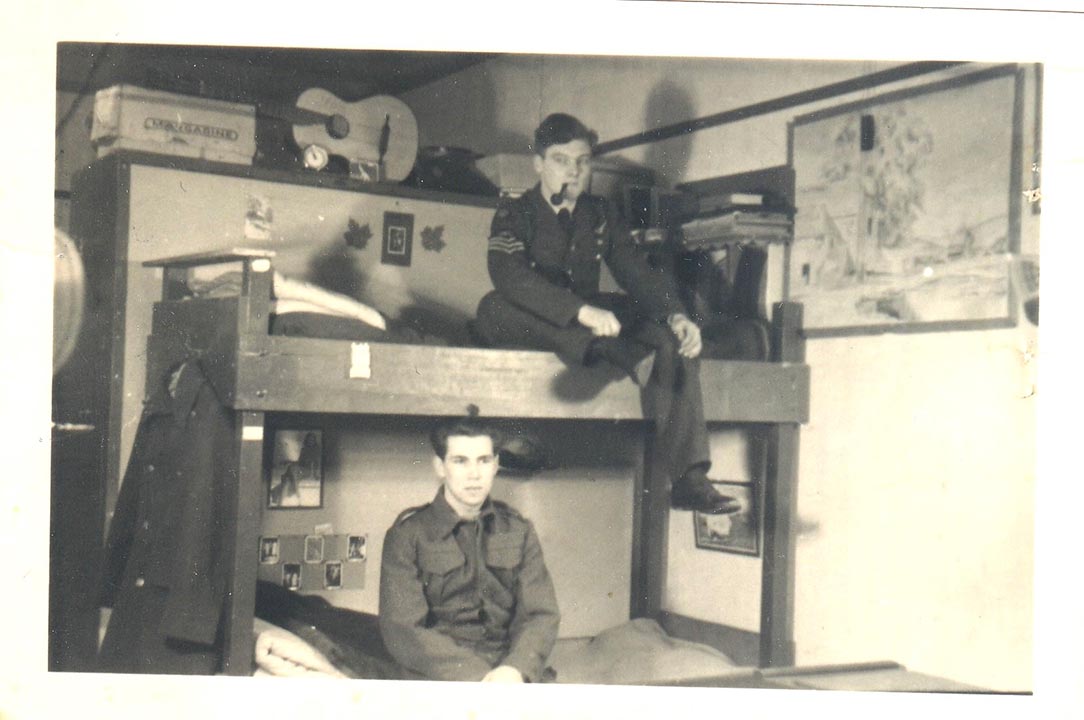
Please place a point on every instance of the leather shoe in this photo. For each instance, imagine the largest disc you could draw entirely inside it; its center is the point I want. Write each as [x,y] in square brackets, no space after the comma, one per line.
[637,361]
[697,493]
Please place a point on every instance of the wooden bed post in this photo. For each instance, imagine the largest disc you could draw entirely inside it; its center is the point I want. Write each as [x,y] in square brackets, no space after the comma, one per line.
[651,528]
[247,329]
[780,506]
[247,500]
[246,506]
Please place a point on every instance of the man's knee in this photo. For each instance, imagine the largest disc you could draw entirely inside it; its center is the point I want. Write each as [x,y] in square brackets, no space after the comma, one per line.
[658,336]
[487,306]
[487,319]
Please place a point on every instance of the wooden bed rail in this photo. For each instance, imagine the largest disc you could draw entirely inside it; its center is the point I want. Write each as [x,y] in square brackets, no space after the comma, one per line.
[253,370]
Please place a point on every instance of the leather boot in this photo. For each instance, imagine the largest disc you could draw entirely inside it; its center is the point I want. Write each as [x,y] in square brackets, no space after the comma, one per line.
[695,492]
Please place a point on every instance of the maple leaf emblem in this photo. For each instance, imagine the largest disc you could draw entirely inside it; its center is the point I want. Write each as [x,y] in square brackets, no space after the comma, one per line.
[357,235]
[433,238]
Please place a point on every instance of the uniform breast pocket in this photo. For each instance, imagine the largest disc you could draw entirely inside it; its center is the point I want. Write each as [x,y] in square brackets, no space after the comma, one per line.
[504,553]
[438,565]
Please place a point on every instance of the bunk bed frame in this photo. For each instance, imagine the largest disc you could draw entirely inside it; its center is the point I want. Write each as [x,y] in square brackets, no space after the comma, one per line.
[256,373]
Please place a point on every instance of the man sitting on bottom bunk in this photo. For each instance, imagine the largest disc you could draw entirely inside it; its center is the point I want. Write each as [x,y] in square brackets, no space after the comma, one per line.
[464,590]
[545,251]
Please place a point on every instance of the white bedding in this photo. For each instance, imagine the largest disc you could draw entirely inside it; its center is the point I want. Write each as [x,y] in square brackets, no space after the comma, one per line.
[281,653]
[291,295]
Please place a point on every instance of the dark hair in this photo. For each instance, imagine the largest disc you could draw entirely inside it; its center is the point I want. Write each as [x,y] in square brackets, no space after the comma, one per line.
[469,426]
[560,128]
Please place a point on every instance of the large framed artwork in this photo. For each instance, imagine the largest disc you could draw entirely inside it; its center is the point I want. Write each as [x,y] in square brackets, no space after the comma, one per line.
[909,208]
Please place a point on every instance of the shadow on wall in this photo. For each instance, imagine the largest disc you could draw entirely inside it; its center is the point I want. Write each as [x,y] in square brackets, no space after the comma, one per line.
[431,323]
[475,122]
[668,103]
[421,320]
[335,268]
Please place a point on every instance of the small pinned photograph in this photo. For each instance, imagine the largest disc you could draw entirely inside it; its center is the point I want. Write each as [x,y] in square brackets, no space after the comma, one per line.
[291,576]
[269,550]
[333,575]
[355,547]
[297,476]
[735,533]
[314,548]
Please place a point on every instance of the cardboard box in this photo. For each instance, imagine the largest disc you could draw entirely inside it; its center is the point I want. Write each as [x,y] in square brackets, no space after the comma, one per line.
[611,176]
[511,172]
[133,118]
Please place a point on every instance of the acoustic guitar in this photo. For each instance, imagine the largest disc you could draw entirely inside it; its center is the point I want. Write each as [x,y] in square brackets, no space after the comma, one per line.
[377,135]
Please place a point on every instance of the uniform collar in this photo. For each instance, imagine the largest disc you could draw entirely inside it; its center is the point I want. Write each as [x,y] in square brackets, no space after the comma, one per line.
[443,519]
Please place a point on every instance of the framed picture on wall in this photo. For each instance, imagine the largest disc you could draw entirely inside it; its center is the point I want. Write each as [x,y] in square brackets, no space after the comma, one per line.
[909,208]
[737,532]
[297,470]
[398,244]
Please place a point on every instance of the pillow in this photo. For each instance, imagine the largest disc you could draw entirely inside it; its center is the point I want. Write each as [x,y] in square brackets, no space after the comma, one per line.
[291,295]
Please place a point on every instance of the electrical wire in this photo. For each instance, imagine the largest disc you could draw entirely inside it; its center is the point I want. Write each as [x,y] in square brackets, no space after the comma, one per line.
[99,58]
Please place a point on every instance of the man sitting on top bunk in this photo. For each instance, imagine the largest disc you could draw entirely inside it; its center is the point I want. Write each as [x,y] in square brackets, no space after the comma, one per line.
[544,254]
[464,590]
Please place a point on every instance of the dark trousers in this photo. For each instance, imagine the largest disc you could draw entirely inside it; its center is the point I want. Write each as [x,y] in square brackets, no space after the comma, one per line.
[672,398]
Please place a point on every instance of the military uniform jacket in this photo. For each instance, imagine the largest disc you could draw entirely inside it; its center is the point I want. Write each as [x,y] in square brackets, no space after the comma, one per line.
[458,598]
[537,266]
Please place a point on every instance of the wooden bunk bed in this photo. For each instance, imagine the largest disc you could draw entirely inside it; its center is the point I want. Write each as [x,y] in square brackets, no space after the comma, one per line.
[257,374]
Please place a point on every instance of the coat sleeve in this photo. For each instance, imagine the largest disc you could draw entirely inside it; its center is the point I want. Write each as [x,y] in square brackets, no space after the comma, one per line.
[534,626]
[511,272]
[199,568]
[403,611]
[653,289]
[122,526]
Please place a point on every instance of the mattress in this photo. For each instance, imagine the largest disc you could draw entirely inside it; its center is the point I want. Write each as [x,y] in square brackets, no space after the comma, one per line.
[632,653]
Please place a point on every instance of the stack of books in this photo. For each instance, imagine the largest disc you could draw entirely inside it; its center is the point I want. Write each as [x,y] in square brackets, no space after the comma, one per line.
[734,218]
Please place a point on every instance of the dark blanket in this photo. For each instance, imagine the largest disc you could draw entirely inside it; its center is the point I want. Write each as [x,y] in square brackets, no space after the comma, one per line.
[335,327]
[350,640]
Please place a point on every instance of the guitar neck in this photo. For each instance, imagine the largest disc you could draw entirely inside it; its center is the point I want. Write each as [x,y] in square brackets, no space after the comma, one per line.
[292,114]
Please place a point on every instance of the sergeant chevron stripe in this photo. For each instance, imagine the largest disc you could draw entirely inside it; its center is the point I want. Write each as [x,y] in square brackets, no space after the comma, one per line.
[500,243]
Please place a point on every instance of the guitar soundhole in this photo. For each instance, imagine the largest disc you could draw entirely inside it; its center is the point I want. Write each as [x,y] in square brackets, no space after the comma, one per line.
[338,127]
